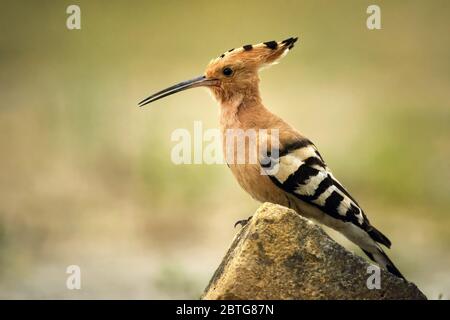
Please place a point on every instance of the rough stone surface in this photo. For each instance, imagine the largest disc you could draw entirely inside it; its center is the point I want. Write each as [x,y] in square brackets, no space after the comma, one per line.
[281,255]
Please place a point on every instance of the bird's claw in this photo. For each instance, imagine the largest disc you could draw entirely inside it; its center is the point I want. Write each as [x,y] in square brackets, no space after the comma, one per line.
[242,223]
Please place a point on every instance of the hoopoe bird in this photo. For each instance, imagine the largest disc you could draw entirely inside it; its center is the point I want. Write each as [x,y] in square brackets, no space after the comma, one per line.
[302,181]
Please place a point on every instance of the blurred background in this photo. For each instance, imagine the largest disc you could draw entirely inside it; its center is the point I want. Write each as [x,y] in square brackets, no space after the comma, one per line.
[86,176]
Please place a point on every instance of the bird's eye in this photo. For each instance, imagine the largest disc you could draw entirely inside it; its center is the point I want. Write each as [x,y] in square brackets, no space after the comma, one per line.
[227,72]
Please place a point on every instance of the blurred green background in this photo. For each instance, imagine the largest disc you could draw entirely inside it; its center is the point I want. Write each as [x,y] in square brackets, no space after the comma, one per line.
[86,176]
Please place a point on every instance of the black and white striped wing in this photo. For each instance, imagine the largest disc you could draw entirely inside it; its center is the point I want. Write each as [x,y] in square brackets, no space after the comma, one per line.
[301,171]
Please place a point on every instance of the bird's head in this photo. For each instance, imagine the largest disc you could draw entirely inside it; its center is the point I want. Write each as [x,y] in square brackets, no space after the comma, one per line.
[234,73]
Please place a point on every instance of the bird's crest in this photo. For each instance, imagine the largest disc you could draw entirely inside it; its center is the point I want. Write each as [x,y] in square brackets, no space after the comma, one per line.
[259,55]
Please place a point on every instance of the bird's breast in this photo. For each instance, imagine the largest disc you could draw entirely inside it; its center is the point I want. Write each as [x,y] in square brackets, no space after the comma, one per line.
[259,186]
[242,152]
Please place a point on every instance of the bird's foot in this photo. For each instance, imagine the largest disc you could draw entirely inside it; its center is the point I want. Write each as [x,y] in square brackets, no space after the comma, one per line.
[242,223]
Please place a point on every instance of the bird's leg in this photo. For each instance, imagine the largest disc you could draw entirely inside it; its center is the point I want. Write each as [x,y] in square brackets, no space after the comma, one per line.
[242,223]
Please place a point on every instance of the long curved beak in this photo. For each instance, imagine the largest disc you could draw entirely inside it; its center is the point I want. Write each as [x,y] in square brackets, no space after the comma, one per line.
[201,81]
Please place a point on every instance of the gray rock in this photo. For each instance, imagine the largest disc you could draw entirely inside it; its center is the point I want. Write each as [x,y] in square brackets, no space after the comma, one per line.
[281,255]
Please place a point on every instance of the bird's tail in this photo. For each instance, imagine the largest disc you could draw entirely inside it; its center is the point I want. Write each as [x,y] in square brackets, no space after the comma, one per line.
[380,257]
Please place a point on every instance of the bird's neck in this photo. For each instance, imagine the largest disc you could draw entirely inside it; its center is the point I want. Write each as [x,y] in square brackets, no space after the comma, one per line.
[237,111]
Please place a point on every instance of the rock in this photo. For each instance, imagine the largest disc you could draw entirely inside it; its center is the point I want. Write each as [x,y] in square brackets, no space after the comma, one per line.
[281,255]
